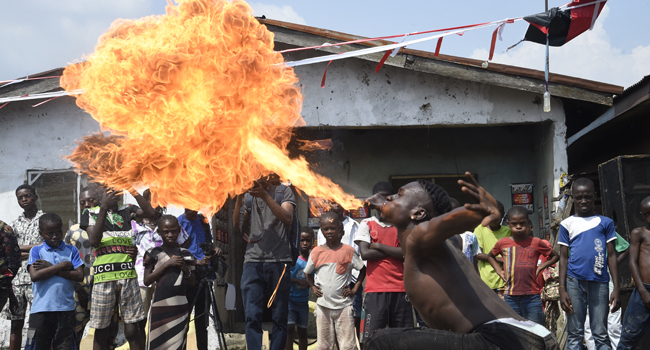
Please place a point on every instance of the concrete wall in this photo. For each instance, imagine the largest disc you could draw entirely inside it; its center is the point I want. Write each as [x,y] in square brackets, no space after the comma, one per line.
[499,155]
[36,138]
[551,162]
[354,96]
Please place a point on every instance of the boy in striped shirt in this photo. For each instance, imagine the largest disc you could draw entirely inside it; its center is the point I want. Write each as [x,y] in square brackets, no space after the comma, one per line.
[520,254]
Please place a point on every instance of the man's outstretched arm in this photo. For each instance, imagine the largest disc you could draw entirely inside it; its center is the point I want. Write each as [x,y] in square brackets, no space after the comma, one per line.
[442,227]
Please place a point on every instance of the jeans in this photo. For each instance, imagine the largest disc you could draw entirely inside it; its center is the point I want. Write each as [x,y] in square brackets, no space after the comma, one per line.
[527,306]
[635,322]
[592,295]
[613,329]
[258,281]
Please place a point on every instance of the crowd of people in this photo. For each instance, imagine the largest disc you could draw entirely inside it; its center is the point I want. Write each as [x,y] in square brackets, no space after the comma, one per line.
[144,263]
[423,272]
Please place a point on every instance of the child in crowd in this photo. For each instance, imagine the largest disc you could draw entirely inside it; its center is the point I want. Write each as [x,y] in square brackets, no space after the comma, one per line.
[9,265]
[583,277]
[350,228]
[385,303]
[487,237]
[170,267]
[89,197]
[146,237]
[520,254]
[299,295]
[613,318]
[115,280]
[333,263]
[551,296]
[26,230]
[637,315]
[53,267]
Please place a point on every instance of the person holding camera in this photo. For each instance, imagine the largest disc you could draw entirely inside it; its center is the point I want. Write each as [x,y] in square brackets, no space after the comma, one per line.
[198,229]
[266,277]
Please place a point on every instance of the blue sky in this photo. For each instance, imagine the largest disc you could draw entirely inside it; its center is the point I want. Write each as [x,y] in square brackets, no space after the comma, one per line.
[39,35]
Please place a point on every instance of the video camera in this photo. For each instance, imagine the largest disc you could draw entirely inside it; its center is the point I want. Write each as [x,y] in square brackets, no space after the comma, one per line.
[217,266]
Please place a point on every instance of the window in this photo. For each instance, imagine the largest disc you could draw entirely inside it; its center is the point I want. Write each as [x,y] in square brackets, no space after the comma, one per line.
[58,192]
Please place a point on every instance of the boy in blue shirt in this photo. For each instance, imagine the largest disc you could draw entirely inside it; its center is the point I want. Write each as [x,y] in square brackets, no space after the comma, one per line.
[299,295]
[53,267]
[583,277]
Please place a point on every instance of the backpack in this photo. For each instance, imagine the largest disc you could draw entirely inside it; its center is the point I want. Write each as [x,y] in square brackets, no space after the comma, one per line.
[294,230]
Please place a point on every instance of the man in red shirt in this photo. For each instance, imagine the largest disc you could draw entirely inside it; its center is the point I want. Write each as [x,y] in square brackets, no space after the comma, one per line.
[520,254]
[385,303]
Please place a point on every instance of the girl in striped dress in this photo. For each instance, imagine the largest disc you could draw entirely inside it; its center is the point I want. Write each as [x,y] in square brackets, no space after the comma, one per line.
[169,266]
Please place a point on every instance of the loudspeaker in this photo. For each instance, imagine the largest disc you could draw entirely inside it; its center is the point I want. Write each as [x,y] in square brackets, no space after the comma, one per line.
[624,182]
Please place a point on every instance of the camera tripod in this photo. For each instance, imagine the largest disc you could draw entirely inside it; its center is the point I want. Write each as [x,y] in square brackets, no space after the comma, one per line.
[207,286]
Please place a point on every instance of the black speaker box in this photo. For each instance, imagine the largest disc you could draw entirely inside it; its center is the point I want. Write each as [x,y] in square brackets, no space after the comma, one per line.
[624,182]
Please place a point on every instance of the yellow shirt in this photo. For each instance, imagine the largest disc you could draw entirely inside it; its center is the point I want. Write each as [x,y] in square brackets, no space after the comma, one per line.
[486,239]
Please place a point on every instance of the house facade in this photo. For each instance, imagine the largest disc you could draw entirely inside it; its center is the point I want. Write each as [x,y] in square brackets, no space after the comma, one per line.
[421,116]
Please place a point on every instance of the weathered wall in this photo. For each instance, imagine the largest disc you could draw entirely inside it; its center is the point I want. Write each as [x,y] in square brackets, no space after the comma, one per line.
[36,138]
[354,96]
[499,155]
[551,162]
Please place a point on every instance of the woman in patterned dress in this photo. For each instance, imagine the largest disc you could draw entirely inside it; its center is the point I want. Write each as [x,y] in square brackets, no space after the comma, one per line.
[170,267]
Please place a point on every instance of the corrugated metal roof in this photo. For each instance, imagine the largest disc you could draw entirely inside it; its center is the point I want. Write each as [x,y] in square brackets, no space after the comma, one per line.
[638,83]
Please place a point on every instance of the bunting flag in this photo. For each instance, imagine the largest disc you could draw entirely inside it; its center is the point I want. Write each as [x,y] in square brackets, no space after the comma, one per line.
[552,28]
[563,24]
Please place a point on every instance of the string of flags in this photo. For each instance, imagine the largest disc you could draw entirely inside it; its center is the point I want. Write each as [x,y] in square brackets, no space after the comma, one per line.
[554,27]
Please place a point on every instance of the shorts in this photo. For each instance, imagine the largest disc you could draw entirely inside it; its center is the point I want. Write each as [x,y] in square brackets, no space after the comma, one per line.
[299,313]
[107,295]
[55,328]
[24,295]
[335,326]
[147,295]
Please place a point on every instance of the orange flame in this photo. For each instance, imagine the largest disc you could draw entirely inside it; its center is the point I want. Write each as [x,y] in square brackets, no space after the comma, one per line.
[202,105]
[315,145]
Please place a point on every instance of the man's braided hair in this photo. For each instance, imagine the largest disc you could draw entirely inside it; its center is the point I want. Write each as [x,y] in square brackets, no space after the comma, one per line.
[438,196]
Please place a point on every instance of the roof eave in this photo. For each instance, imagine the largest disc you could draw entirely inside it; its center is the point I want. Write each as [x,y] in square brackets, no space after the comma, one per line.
[457,67]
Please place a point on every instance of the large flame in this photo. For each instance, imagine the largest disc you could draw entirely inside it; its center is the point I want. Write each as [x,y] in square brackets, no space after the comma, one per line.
[202,105]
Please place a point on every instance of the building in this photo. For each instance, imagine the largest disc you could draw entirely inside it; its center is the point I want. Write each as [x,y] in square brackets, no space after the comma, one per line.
[421,116]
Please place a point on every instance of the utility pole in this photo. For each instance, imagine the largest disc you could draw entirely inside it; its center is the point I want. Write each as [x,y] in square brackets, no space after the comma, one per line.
[546,1]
